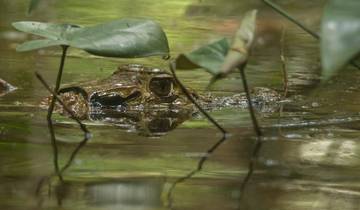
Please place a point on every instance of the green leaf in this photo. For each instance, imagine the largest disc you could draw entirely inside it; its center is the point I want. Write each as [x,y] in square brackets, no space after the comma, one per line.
[48,30]
[38,44]
[340,31]
[126,38]
[210,57]
[241,44]
[218,57]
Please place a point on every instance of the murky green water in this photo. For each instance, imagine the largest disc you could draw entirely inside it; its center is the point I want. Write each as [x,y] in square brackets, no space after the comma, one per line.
[309,158]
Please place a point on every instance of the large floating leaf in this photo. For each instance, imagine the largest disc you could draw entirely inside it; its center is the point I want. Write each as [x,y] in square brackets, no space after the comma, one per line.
[210,57]
[340,31]
[126,38]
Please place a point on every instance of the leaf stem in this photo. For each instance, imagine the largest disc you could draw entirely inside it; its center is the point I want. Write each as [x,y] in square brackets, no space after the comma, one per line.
[259,134]
[188,95]
[50,112]
[289,17]
[87,134]
[248,97]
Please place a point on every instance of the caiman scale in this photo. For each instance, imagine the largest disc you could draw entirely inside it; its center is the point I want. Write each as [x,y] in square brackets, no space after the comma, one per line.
[138,97]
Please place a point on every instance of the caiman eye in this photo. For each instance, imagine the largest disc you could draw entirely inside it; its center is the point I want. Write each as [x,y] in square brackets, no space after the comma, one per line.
[162,86]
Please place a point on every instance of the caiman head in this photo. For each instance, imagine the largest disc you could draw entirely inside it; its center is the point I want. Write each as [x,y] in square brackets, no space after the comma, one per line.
[132,95]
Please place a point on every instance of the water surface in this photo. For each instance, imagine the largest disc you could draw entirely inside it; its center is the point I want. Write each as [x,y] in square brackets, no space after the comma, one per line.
[309,158]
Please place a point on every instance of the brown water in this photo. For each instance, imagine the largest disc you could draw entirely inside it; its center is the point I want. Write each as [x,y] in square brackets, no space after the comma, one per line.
[309,157]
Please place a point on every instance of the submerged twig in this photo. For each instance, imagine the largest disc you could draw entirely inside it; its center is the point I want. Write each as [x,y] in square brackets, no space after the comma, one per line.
[299,24]
[188,95]
[196,170]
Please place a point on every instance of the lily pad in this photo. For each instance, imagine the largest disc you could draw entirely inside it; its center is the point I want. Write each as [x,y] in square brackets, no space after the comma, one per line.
[340,31]
[126,38]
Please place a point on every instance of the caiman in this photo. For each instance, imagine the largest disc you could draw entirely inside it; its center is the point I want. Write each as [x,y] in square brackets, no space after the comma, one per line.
[147,99]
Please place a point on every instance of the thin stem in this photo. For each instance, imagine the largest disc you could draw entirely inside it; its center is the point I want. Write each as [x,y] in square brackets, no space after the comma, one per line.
[188,95]
[50,112]
[298,23]
[289,17]
[257,129]
[87,134]
[248,97]
[283,63]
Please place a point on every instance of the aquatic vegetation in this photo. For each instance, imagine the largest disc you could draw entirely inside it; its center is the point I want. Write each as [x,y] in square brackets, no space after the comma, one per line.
[125,38]
[221,58]
[340,30]
[339,36]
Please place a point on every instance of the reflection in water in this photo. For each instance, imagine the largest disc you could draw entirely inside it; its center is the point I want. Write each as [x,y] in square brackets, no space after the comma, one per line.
[115,193]
[125,194]
[147,122]
[193,172]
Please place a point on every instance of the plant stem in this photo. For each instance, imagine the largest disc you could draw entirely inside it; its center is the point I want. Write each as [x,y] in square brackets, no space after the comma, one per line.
[289,17]
[248,97]
[257,130]
[302,26]
[87,134]
[283,63]
[188,95]
[50,112]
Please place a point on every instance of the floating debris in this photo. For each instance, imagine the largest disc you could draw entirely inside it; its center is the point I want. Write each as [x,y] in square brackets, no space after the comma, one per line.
[5,87]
